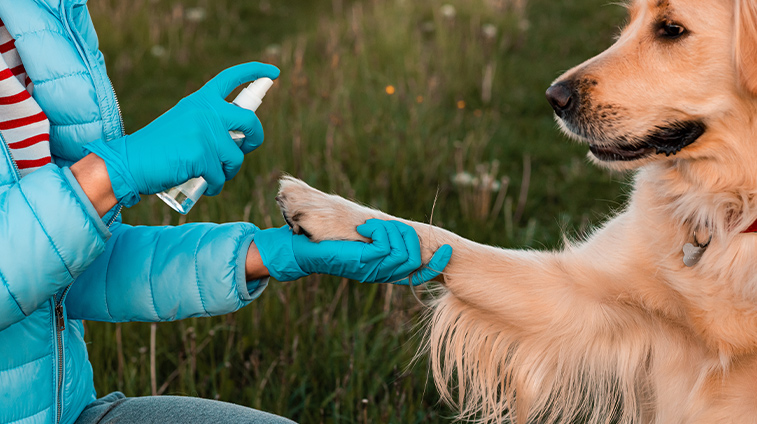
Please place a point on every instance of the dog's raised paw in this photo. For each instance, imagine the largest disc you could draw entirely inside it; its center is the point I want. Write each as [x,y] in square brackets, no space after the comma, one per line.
[318,215]
[292,219]
[295,199]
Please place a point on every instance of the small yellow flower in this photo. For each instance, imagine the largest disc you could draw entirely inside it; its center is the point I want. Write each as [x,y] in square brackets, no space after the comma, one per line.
[461,104]
[419,99]
[390,89]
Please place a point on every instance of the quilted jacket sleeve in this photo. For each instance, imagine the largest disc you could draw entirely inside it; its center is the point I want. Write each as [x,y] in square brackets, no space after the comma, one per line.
[49,237]
[167,273]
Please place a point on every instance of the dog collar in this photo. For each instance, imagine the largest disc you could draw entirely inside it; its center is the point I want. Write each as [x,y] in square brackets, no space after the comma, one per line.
[692,252]
[752,228]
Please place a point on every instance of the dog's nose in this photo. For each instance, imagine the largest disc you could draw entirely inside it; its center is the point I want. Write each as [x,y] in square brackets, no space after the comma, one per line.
[560,97]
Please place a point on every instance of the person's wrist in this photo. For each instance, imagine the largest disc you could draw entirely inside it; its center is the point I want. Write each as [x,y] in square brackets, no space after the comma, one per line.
[122,183]
[254,266]
[275,249]
[92,175]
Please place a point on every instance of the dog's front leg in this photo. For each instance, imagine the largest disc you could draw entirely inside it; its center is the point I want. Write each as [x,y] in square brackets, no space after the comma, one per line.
[530,290]
[566,330]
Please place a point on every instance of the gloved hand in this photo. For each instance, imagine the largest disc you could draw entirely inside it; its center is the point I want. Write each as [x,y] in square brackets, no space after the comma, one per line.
[393,254]
[190,140]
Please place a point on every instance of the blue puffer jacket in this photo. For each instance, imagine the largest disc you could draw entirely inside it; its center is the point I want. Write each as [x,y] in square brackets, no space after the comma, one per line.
[59,262]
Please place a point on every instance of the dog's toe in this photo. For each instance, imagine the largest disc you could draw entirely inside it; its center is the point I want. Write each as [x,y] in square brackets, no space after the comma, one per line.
[289,222]
[293,221]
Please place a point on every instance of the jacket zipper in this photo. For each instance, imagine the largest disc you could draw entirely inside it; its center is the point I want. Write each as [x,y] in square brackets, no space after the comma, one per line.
[123,133]
[13,161]
[60,326]
[118,107]
[10,155]
[115,216]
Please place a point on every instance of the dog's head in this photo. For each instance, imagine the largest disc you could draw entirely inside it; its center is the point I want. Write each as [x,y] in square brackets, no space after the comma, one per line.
[679,73]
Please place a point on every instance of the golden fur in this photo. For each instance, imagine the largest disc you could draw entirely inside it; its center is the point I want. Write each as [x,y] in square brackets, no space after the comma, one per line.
[616,328]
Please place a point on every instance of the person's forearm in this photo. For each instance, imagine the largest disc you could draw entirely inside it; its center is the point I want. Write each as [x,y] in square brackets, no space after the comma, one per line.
[254,268]
[92,176]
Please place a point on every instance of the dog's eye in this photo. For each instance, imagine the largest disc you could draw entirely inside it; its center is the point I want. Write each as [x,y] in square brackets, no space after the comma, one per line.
[670,30]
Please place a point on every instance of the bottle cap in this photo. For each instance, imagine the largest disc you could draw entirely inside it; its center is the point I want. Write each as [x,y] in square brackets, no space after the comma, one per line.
[252,96]
[260,86]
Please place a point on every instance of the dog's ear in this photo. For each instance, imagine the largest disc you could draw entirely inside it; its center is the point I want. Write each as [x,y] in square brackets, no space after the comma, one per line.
[746,43]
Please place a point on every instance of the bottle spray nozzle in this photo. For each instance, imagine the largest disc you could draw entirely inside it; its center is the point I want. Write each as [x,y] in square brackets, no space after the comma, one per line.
[260,86]
[252,96]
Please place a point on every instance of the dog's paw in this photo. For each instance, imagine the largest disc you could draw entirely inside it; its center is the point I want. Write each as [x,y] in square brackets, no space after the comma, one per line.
[318,215]
[293,195]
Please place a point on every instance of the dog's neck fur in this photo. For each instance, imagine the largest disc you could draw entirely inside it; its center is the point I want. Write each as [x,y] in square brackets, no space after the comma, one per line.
[722,185]
[716,192]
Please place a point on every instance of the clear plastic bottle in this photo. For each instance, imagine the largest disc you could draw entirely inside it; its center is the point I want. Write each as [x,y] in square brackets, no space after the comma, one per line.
[182,197]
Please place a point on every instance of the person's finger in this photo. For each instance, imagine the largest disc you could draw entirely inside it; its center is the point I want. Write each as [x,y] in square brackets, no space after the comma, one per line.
[405,256]
[380,247]
[227,80]
[214,176]
[398,254]
[435,267]
[412,244]
[230,155]
[236,118]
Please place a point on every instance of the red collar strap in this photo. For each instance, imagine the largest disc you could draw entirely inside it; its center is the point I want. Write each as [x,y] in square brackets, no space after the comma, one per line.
[752,228]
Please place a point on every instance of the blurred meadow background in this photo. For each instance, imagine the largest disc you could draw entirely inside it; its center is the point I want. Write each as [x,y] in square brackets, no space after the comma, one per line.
[394,103]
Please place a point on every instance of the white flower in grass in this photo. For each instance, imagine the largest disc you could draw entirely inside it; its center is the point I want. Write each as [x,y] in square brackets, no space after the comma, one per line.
[195,14]
[524,25]
[489,31]
[448,11]
[273,50]
[463,179]
[488,182]
[158,51]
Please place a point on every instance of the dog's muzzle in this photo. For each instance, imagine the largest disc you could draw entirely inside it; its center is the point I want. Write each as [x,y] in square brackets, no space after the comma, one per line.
[667,138]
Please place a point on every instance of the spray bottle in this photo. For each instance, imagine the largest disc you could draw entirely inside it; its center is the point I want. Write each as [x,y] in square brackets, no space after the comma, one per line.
[182,197]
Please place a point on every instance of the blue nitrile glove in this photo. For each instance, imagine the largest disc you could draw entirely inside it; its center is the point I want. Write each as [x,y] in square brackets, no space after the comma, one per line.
[190,140]
[393,254]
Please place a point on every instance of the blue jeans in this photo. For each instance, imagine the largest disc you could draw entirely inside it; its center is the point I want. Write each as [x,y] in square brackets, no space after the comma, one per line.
[117,408]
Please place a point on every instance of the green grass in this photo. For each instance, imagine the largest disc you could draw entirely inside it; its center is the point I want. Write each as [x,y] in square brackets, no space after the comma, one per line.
[321,349]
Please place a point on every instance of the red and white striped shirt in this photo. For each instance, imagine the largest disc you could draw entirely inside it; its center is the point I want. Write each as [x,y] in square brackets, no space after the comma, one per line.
[23,124]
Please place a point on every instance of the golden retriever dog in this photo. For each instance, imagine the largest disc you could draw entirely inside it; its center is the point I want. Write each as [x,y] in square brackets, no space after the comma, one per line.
[653,318]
